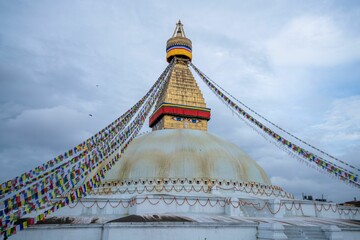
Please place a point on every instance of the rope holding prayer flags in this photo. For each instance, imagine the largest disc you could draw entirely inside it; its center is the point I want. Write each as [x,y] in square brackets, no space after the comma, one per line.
[41,193]
[26,177]
[136,121]
[283,130]
[341,173]
[38,196]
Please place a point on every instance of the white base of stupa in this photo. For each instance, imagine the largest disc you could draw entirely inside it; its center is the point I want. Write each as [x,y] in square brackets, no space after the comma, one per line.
[215,215]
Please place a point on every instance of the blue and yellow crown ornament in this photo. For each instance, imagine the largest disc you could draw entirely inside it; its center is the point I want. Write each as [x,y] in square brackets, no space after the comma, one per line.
[178,45]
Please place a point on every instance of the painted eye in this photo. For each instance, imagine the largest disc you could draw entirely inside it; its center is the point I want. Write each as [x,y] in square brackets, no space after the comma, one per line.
[177,119]
[194,120]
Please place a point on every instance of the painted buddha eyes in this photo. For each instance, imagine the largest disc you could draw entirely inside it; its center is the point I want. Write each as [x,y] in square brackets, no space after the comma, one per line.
[192,120]
[178,119]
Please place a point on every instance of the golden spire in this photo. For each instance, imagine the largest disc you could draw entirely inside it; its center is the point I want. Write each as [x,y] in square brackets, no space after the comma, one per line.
[179,30]
[179,45]
[181,104]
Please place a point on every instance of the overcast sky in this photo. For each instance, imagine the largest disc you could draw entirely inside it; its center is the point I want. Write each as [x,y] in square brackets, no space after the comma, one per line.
[295,62]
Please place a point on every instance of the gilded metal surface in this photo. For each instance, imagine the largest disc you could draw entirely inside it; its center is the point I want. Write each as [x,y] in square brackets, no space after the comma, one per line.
[184,153]
[179,41]
[178,53]
[181,89]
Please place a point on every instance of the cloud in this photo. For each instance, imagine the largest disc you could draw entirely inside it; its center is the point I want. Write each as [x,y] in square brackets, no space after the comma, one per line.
[293,175]
[37,135]
[342,121]
[277,59]
[339,132]
[39,127]
[313,41]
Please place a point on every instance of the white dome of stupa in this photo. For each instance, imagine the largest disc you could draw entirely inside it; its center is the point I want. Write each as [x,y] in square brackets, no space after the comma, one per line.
[185,154]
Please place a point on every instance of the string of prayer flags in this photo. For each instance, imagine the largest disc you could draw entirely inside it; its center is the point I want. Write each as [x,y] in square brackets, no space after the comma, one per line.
[341,173]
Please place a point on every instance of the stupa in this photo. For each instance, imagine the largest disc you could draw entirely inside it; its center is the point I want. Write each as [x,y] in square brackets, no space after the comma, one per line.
[181,182]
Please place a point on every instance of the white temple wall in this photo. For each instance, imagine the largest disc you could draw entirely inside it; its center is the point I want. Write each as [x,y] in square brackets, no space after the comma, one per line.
[105,209]
[190,205]
[60,232]
[93,208]
[195,205]
[140,231]
[180,232]
[350,234]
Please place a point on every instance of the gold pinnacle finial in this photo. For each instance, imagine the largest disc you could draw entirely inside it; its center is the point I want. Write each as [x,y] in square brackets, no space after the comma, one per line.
[179,30]
[178,45]
[181,104]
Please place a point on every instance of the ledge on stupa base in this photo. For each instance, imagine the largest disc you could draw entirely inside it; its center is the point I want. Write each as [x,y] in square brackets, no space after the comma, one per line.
[195,226]
[162,204]
[333,232]
[142,231]
[231,211]
[271,231]
[144,216]
[109,207]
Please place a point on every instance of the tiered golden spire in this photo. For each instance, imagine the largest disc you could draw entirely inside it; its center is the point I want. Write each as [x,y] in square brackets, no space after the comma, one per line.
[179,45]
[182,104]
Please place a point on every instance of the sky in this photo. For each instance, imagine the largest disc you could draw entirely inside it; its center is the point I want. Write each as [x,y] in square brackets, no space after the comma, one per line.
[295,62]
